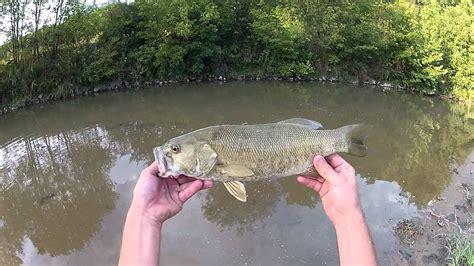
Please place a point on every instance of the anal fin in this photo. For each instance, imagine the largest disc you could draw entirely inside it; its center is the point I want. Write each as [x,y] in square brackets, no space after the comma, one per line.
[236,189]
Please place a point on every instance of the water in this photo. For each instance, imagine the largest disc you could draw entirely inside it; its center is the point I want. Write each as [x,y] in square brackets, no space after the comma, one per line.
[67,171]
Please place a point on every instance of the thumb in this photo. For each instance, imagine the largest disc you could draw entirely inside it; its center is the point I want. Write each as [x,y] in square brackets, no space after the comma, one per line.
[324,169]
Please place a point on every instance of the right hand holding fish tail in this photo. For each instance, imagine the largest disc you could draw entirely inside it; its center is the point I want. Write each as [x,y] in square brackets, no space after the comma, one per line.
[337,186]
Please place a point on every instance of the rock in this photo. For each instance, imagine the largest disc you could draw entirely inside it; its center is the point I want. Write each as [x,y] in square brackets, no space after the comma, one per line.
[405,254]
[431,258]
[460,208]
[220,78]
[96,89]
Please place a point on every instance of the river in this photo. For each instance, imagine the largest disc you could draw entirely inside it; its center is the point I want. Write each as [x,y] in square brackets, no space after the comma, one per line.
[67,171]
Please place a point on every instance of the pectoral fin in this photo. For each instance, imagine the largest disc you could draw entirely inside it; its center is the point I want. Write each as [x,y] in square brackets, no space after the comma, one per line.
[235,170]
[236,189]
[309,124]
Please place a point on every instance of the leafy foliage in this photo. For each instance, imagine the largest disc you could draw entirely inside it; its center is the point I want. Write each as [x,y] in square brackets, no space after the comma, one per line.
[427,47]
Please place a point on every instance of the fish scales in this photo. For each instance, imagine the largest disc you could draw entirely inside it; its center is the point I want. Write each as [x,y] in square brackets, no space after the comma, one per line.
[273,150]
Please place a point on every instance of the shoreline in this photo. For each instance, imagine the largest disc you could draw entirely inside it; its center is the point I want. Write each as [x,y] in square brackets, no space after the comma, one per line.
[123,85]
[427,239]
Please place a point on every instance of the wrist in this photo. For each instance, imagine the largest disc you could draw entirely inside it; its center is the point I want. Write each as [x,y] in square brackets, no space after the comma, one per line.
[140,212]
[349,219]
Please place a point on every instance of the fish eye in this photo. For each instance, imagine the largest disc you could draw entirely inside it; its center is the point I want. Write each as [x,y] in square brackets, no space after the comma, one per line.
[175,148]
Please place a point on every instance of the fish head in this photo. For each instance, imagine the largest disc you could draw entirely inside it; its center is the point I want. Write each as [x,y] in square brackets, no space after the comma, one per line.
[180,157]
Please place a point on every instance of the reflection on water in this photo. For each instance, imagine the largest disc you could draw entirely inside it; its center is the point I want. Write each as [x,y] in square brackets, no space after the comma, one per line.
[220,207]
[67,171]
[53,191]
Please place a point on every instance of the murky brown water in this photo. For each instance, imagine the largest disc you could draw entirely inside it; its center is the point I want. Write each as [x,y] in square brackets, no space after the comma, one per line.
[67,171]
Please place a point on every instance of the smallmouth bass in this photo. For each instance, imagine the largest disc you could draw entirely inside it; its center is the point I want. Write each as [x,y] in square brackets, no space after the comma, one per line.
[235,153]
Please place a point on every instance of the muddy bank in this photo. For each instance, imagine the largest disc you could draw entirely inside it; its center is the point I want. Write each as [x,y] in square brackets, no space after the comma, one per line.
[444,227]
[123,85]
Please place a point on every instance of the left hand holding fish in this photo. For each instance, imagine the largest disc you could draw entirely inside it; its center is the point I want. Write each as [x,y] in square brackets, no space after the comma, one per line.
[155,199]
[162,198]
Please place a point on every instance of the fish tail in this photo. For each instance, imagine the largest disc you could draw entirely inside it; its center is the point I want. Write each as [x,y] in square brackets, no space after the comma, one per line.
[356,139]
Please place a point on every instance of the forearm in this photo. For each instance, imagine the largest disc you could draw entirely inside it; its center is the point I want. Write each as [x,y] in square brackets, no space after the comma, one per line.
[354,241]
[141,239]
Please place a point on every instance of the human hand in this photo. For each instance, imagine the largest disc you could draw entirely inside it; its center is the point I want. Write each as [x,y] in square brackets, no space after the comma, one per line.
[162,198]
[337,187]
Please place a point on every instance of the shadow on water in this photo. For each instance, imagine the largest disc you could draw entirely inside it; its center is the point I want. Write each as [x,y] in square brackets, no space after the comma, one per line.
[56,185]
[221,208]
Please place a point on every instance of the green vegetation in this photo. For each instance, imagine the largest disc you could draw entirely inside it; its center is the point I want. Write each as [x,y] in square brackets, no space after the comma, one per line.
[425,46]
[460,247]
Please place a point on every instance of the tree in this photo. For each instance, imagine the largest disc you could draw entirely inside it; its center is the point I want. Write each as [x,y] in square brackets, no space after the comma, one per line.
[37,15]
[14,13]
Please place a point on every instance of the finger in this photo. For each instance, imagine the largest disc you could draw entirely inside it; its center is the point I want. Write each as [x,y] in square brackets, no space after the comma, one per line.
[335,160]
[185,179]
[189,189]
[309,182]
[339,164]
[324,169]
[184,186]
[207,184]
[153,169]
[182,179]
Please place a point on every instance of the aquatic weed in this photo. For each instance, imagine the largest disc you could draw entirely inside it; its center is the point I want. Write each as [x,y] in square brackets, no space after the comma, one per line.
[408,231]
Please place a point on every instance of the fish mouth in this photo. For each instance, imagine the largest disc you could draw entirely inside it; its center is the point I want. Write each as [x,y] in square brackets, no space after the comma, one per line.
[164,163]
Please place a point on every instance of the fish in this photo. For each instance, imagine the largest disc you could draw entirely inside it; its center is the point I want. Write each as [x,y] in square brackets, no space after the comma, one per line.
[233,154]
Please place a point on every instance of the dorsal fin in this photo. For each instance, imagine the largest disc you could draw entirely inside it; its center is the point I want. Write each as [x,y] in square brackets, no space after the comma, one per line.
[310,124]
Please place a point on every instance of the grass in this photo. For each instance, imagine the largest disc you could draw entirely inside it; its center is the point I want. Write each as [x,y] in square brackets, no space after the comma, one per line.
[460,247]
